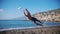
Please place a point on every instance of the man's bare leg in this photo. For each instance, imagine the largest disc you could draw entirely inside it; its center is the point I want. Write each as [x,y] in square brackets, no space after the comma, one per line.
[37,23]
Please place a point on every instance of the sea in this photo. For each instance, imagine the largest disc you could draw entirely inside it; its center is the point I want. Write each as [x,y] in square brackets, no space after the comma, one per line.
[23,23]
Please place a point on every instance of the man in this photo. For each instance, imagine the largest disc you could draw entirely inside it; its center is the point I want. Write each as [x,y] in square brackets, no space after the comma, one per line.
[27,14]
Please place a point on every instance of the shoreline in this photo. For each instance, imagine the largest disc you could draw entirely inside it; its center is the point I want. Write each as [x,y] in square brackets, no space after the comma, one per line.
[23,28]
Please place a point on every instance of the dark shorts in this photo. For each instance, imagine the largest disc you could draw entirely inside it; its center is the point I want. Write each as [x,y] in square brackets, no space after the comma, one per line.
[34,19]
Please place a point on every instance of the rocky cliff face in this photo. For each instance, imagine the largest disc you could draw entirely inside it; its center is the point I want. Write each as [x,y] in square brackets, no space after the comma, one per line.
[51,15]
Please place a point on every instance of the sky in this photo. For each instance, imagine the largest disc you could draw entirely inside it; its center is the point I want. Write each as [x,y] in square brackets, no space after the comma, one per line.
[10,9]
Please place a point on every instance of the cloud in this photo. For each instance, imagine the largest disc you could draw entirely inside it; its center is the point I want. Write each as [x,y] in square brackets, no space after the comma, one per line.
[1,10]
[19,8]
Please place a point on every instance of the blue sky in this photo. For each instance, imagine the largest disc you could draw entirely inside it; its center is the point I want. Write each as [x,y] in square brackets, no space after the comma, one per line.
[9,9]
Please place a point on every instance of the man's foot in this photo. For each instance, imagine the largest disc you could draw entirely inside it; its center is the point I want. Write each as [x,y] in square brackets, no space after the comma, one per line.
[41,24]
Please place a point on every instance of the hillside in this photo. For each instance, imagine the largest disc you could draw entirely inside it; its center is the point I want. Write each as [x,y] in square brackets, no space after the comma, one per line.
[51,15]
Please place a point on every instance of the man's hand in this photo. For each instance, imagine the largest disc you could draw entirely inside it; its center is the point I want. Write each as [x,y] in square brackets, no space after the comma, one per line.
[26,10]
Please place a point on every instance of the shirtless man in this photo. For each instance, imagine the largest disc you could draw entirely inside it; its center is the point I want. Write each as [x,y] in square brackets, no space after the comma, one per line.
[27,14]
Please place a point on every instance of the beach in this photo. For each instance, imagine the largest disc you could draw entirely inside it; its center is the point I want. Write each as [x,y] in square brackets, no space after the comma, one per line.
[33,30]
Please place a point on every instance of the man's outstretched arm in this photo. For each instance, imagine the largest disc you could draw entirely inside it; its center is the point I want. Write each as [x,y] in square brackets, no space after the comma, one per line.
[28,11]
[25,14]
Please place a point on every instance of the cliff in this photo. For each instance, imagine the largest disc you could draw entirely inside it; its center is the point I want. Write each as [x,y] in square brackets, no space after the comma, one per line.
[51,15]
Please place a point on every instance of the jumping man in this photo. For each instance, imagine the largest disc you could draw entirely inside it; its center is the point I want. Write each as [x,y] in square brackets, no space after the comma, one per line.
[27,14]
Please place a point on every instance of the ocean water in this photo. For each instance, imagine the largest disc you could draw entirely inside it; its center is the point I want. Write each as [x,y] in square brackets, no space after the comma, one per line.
[21,23]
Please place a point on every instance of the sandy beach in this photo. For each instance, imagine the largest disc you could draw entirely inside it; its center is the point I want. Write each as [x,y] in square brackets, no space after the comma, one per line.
[32,30]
